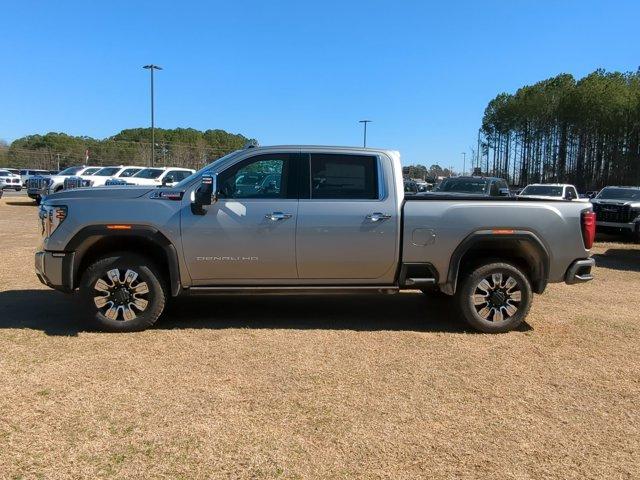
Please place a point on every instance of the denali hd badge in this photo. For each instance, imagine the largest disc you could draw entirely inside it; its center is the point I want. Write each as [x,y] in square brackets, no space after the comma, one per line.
[226,259]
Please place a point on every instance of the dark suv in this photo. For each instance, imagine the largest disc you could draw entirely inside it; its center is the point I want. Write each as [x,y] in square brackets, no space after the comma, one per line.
[617,210]
[478,186]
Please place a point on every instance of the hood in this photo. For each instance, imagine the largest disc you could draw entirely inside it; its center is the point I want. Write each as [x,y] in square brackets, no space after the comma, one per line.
[457,194]
[143,181]
[541,197]
[620,203]
[115,192]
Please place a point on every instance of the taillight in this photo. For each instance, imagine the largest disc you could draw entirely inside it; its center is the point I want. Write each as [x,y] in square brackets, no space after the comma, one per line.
[588,228]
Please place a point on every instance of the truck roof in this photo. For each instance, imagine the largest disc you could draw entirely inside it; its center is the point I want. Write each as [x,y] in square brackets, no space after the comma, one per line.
[322,147]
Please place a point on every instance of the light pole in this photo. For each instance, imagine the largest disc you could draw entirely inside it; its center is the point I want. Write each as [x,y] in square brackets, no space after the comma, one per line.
[151,68]
[464,162]
[365,131]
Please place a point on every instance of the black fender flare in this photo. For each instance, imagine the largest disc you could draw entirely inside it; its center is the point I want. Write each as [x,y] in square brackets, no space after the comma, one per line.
[526,241]
[89,236]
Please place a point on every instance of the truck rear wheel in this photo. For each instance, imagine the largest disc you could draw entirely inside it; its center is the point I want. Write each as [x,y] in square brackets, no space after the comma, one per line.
[495,297]
[122,292]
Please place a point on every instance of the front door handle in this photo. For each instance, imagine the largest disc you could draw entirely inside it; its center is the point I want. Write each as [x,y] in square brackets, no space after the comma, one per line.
[275,216]
[377,216]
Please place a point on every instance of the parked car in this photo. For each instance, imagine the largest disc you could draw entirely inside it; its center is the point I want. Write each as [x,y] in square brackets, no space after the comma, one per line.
[38,186]
[411,187]
[101,176]
[617,210]
[26,174]
[337,220]
[155,176]
[476,186]
[9,180]
[552,191]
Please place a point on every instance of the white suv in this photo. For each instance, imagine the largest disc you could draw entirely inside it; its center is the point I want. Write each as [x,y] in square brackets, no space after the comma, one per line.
[155,176]
[552,191]
[9,180]
[100,177]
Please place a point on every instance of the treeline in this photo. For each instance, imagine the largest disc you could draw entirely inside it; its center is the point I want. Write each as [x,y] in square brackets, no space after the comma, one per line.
[585,132]
[423,172]
[185,147]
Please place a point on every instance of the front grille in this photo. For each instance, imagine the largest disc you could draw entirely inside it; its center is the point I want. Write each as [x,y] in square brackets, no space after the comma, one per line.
[116,181]
[614,213]
[37,183]
[72,182]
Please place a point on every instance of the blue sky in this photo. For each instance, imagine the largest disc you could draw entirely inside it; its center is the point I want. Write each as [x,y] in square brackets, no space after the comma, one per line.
[298,71]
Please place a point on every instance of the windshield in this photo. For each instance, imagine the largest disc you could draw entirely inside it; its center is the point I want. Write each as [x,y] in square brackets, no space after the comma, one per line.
[129,172]
[149,173]
[615,193]
[200,172]
[106,172]
[4,173]
[463,185]
[543,190]
[70,171]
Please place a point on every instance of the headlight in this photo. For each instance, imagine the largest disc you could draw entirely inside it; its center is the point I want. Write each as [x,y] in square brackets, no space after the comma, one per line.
[51,216]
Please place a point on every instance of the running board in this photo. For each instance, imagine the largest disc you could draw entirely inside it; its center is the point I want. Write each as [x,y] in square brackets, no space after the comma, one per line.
[289,290]
[419,282]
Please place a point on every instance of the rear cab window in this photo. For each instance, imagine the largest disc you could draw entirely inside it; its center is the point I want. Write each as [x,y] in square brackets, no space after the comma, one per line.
[337,176]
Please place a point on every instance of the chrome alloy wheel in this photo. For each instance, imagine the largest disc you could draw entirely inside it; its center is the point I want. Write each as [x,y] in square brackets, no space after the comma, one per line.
[121,297]
[496,299]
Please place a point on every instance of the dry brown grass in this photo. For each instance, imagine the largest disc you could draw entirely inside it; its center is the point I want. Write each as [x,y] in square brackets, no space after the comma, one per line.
[339,387]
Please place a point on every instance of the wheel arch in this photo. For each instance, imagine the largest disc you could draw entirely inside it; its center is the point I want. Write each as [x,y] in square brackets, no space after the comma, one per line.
[521,247]
[95,241]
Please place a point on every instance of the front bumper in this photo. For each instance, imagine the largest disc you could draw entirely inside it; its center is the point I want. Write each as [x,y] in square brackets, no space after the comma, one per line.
[631,226]
[580,271]
[37,192]
[52,268]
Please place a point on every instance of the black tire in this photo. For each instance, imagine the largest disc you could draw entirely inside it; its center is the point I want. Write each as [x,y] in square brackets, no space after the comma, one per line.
[120,295]
[497,314]
[18,189]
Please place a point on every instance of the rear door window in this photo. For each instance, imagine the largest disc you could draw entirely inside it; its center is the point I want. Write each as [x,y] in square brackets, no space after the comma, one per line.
[573,193]
[343,176]
[180,175]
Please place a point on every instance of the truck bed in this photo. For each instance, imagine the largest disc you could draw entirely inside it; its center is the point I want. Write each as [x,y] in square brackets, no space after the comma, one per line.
[434,226]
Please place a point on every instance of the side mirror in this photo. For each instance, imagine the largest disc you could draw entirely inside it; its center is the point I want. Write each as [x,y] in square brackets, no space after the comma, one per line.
[205,194]
[167,180]
[504,192]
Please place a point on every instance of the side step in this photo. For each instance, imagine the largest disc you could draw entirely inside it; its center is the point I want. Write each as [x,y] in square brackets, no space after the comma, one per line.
[417,275]
[294,290]
[419,282]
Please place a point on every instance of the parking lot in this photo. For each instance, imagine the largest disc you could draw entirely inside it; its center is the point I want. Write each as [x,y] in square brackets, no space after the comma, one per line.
[317,387]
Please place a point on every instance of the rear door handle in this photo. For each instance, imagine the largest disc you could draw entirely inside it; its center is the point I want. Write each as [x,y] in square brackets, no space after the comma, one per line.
[377,216]
[275,216]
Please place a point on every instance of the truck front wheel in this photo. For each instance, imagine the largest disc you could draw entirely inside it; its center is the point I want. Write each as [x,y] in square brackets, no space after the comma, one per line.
[122,292]
[495,297]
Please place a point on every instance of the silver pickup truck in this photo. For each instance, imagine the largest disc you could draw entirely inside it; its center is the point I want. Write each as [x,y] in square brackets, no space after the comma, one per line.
[300,219]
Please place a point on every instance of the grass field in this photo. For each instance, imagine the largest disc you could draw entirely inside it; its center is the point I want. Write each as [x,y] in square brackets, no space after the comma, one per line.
[319,387]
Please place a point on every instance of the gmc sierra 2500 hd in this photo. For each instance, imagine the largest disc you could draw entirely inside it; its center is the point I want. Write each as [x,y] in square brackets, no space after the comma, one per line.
[306,219]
